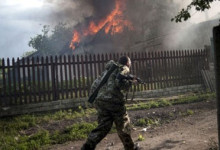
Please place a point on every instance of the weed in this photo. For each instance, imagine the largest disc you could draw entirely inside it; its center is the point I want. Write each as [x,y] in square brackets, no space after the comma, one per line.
[153,104]
[141,122]
[75,132]
[171,114]
[189,112]
[164,103]
[147,122]
[140,137]
[213,145]
[113,129]
[153,122]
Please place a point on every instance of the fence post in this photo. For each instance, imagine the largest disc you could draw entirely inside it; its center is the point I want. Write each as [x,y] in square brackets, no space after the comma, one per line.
[4,83]
[53,74]
[216,38]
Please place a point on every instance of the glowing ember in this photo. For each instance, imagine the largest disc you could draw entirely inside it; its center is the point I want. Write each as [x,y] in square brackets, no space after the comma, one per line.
[112,24]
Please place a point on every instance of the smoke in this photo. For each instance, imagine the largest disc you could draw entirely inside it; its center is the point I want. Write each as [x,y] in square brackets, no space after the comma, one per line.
[194,33]
[153,29]
[77,11]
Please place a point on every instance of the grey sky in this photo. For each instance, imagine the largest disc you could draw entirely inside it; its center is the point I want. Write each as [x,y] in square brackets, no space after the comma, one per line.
[20,20]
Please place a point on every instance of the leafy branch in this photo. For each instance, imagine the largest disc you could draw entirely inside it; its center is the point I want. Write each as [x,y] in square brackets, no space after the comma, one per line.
[200,5]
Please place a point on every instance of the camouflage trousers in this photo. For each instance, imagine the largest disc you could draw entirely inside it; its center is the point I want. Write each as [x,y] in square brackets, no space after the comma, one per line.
[107,115]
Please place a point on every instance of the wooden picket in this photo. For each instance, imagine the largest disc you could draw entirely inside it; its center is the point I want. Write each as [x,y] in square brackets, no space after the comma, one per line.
[33,80]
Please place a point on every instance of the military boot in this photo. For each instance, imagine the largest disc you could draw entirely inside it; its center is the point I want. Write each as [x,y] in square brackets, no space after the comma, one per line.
[137,146]
[87,146]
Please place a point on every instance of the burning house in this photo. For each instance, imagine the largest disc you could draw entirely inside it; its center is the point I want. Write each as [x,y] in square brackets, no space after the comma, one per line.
[117,26]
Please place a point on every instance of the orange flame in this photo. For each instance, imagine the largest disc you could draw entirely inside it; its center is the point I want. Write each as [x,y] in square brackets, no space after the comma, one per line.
[112,24]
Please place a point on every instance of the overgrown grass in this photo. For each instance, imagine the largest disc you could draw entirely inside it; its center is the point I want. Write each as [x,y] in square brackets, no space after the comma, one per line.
[18,142]
[165,102]
[146,122]
[75,132]
[12,136]
[43,137]
[66,114]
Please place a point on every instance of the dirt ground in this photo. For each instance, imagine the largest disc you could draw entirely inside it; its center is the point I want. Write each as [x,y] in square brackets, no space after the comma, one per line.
[177,129]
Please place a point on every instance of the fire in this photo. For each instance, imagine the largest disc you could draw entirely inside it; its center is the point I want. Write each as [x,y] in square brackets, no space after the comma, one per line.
[113,23]
[76,39]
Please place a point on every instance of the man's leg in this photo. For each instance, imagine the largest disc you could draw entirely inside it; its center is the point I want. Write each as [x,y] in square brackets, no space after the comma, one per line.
[105,122]
[123,127]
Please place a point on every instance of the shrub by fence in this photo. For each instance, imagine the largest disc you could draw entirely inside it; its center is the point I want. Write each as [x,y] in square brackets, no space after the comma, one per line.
[33,80]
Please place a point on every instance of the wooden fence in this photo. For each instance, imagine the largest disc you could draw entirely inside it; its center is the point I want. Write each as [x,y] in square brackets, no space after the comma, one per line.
[33,80]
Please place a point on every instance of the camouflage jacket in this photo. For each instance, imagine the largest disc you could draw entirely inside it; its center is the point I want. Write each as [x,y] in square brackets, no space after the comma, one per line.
[113,91]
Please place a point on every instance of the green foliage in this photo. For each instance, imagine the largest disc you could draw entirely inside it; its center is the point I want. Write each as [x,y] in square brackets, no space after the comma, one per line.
[163,103]
[37,140]
[190,112]
[25,142]
[200,5]
[12,125]
[50,42]
[75,132]
[43,137]
[40,42]
[150,104]
[140,137]
[147,122]
[141,122]
[12,136]
[69,114]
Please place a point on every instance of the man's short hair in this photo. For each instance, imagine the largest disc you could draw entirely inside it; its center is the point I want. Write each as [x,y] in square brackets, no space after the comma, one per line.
[123,60]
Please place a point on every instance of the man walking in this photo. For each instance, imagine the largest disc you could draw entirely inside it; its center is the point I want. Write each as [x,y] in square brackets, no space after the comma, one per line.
[110,105]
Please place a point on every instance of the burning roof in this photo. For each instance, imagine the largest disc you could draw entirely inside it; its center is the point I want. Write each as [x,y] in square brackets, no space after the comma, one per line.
[113,23]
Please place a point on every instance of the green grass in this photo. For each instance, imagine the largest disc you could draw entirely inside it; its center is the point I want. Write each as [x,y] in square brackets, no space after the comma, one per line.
[43,137]
[12,129]
[145,122]
[18,142]
[77,131]
[189,112]
[165,102]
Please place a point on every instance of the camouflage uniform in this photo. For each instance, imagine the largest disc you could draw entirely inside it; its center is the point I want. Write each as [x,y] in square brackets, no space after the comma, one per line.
[110,105]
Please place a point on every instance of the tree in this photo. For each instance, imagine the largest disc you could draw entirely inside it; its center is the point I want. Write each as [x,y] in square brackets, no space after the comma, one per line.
[40,42]
[200,5]
[51,42]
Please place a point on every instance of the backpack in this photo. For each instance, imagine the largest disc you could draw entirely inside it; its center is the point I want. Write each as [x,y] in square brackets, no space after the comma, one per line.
[101,80]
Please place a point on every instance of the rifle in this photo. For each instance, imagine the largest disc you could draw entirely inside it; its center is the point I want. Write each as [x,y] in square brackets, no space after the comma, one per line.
[103,81]
[120,77]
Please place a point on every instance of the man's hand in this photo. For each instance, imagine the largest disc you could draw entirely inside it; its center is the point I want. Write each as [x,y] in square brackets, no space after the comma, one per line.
[134,81]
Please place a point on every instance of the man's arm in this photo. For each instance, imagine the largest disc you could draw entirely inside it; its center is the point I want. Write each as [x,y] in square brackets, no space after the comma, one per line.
[123,84]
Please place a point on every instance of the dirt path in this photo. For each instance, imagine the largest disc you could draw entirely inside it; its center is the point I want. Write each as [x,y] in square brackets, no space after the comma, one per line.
[192,132]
